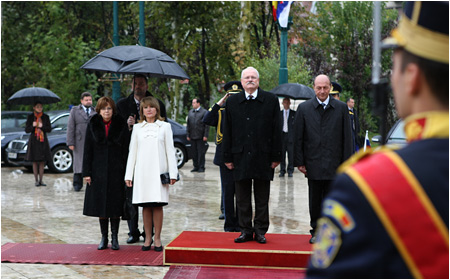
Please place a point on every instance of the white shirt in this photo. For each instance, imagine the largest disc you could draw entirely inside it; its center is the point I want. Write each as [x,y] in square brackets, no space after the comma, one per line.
[253,94]
[325,102]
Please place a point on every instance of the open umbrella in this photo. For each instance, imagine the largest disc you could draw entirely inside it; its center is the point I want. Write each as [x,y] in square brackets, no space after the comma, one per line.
[294,91]
[28,96]
[136,60]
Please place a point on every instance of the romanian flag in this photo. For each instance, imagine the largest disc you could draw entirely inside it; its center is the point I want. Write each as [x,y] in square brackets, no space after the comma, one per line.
[280,11]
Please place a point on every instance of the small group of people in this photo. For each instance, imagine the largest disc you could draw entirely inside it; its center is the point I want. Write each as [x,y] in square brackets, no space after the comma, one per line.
[114,151]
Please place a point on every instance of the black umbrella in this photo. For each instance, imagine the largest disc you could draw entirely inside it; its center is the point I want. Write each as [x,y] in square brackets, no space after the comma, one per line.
[294,91]
[28,96]
[136,60]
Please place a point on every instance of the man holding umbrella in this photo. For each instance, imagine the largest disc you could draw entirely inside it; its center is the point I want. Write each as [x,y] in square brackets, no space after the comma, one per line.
[128,108]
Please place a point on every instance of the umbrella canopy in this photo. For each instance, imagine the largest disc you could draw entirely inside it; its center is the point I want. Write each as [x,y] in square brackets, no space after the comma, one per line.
[136,60]
[294,91]
[28,96]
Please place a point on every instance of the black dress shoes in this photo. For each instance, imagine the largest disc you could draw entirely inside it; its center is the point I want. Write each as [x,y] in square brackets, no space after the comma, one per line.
[132,239]
[158,248]
[146,248]
[312,240]
[290,175]
[260,238]
[244,237]
[194,170]
[42,184]
[201,170]
[37,184]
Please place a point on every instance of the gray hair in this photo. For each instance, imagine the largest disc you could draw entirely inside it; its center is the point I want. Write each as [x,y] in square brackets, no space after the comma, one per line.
[249,68]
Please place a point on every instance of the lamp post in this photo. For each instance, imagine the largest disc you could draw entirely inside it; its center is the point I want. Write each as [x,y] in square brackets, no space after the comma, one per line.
[116,83]
[283,74]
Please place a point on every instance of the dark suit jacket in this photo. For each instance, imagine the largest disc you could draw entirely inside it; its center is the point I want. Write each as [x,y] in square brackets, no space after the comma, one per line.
[127,107]
[290,124]
[196,129]
[322,142]
[252,135]
[357,127]
[215,117]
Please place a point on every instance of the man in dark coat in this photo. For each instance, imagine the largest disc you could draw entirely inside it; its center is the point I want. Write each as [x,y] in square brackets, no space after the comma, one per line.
[252,148]
[197,132]
[287,138]
[128,108]
[354,124]
[216,117]
[76,132]
[323,140]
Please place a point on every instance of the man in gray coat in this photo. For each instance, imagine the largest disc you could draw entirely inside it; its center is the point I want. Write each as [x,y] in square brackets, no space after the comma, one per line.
[197,132]
[323,140]
[76,133]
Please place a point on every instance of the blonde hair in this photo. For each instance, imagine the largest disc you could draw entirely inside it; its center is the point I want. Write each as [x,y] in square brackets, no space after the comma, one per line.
[152,102]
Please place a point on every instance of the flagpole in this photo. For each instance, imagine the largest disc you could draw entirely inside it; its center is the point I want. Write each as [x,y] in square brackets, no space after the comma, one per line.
[283,72]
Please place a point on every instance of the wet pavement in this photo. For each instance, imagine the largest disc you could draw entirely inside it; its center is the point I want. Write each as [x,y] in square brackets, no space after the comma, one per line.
[53,214]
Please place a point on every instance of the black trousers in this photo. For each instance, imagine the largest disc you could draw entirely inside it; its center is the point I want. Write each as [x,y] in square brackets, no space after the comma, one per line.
[228,195]
[77,180]
[133,226]
[261,192]
[288,148]
[198,153]
[317,190]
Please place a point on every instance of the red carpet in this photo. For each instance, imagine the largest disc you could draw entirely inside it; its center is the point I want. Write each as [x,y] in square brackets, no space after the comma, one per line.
[218,249]
[78,254]
[202,272]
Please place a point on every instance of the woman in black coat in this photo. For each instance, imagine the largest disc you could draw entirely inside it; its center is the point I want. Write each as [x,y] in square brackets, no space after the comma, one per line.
[104,162]
[38,124]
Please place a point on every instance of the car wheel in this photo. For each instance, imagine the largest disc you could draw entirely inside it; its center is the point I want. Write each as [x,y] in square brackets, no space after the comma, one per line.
[62,160]
[181,154]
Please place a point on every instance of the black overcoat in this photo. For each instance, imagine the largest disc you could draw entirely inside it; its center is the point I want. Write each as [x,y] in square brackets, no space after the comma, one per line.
[127,107]
[38,151]
[252,135]
[104,160]
[322,140]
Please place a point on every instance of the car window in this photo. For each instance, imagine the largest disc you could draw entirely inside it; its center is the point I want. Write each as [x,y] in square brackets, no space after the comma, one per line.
[14,120]
[60,122]
[398,133]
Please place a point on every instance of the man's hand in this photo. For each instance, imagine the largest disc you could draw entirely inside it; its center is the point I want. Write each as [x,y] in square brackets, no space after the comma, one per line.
[222,101]
[88,180]
[229,165]
[129,183]
[302,169]
[72,147]
[275,164]
[188,138]
[131,121]
[205,139]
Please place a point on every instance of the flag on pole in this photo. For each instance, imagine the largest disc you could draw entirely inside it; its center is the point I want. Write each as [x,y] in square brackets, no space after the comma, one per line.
[366,141]
[280,11]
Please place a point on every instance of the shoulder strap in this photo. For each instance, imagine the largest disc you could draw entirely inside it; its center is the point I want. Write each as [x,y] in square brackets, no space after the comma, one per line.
[421,238]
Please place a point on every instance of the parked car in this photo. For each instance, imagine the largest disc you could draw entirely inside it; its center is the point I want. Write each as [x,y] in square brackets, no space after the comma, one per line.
[396,135]
[62,158]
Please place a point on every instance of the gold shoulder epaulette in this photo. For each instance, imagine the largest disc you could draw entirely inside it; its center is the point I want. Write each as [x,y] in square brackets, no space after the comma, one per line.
[361,155]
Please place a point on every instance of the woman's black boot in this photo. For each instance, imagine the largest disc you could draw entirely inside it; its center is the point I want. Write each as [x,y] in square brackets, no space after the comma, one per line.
[115,222]
[104,229]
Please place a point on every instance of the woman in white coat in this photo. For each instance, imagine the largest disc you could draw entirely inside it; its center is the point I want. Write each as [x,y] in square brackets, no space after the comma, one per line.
[151,154]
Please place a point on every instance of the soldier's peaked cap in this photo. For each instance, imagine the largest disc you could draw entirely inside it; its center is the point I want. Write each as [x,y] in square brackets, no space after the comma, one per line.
[335,88]
[423,30]
[233,87]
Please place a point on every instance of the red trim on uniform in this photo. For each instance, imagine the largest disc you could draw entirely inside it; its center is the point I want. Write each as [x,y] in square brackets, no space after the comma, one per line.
[420,235]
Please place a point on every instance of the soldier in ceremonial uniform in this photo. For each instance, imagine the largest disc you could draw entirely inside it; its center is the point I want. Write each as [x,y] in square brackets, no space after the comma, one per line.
[335,90]
[216,117]
[387,213]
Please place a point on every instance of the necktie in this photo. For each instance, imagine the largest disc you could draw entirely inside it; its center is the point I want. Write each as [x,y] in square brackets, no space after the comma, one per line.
[87,112]
[250,97]
[285,124]
[324,105]
[138,105]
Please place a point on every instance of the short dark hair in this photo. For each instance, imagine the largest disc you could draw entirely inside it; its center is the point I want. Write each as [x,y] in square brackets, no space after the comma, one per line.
[103,102]
[198,100]
[86,93]
[435,73]
[348,99]
[140,76]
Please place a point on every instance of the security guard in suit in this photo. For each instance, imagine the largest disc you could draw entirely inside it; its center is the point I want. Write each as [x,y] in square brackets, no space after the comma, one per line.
[215,117]
[387,214]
